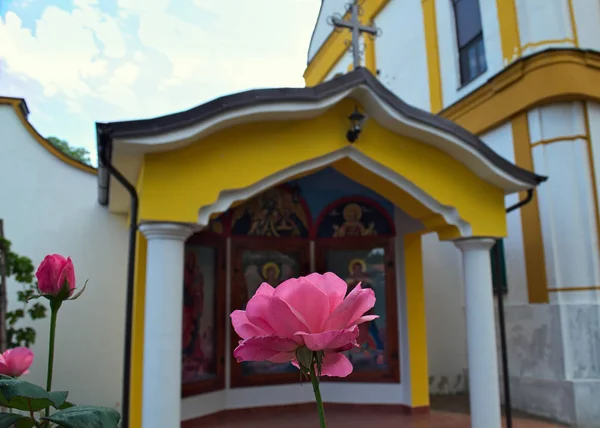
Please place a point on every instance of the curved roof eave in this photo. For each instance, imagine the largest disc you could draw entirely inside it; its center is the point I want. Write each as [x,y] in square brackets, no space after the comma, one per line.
[310,97]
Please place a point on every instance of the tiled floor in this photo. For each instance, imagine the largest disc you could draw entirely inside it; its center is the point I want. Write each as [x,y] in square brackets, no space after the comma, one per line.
[349,418]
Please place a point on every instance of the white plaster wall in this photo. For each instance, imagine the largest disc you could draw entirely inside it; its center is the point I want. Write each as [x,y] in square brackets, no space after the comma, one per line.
[401,53]
[341,67]
[51,207]
[567,211]
[587,18]
[543,24]
[500,140]
[446,329]
[322,28]
[452,90]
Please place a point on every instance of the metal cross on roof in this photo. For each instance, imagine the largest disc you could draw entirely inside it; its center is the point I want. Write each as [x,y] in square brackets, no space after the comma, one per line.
[355,27]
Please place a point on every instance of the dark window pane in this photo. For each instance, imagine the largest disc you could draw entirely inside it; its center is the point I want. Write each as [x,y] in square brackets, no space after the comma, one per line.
[468,20]
[472,60]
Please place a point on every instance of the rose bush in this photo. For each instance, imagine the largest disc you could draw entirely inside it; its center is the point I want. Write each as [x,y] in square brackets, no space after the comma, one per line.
[29,405]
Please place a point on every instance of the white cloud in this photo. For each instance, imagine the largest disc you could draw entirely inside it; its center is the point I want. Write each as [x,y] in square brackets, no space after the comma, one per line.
[151,57]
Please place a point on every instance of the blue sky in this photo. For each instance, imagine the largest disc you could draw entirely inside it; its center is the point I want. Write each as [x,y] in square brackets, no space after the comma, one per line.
[77,62]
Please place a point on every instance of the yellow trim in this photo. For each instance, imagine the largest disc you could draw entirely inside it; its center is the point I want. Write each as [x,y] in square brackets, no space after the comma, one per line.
[573,23]
[590,150]
[137,335]
[334,47]
[509,30]
[16,104]
[416,320]
[433,56]
[550,76]
[558,140]
[370,56]
[570,289]
[546,42]
[254,152]
[535,260]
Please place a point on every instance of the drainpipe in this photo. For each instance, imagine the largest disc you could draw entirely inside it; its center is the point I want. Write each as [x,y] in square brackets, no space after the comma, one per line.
[503,347]
[104,154]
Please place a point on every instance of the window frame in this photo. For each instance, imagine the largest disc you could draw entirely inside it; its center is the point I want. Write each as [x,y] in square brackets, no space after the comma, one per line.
[463,49]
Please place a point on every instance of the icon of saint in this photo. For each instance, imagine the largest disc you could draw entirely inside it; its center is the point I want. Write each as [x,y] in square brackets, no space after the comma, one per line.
[352,225]
[271,274]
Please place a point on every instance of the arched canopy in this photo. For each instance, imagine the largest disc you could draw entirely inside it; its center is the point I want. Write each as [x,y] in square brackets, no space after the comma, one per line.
[192,165]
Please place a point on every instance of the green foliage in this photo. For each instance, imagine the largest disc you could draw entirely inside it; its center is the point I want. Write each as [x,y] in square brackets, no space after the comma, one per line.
[21,395]
[21,269]
[78,153]
[86,417]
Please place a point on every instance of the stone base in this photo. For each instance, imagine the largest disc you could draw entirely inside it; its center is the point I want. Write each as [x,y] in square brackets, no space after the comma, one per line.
[570,402]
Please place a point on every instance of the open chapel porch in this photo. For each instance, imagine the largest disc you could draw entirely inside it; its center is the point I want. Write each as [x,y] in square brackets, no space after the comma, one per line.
[271,184]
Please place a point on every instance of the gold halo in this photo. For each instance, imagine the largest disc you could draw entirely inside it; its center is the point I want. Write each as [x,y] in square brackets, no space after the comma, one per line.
[361,262]
[269,265]
[352,208]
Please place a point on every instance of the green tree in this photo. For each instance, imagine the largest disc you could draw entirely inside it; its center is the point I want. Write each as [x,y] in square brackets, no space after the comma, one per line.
[78,153]
[21,269]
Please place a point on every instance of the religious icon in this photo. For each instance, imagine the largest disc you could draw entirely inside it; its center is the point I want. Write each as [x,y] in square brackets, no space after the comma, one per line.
[358,274]
[270,273]
[274,212]
[352,225]
[198,350]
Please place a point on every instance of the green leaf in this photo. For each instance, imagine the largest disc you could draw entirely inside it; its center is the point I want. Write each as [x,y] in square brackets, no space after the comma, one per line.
[25,423]
[65,405]
[21,395]
[86,417]
[58,398]
[7,420]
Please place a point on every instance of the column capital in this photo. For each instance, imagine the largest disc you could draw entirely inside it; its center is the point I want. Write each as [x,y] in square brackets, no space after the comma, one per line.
[164,230]
[482,243]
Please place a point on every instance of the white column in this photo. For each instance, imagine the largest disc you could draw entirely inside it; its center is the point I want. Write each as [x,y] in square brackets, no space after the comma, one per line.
[161,400]
[484,390]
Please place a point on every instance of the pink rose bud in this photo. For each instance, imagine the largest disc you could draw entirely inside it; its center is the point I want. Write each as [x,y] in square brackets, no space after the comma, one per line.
[16,362]
[56,275]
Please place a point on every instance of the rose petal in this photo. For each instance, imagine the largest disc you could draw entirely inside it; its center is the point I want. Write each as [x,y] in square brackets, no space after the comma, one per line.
[336,365]
[265,289]
[351,309]
[334,286]
[309,302]
[333,339]
[67,274]
[257,309]
[285,321]
[243,327]
[263,348]
[363,319]
[3,366]
[18,360]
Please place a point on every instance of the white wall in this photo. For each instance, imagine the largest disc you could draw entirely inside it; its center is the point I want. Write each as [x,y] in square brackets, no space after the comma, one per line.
[448,49]
[51,207]
[446,330]
[400,51]
[572,257]
[500,140]
[543,21]
[587,17]
[322,27]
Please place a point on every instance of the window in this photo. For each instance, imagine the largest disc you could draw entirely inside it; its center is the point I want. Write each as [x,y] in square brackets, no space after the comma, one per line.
[498,268]
[471,52]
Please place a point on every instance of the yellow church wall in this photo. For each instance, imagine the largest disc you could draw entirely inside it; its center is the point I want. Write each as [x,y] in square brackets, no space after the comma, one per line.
[175,187]
[416,319]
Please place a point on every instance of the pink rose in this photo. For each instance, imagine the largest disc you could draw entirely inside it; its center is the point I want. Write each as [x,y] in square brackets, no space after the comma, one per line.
[16,362]
[54,274]
[301,312]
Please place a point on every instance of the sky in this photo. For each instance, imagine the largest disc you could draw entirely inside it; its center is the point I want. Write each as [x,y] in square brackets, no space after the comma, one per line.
[77,62]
